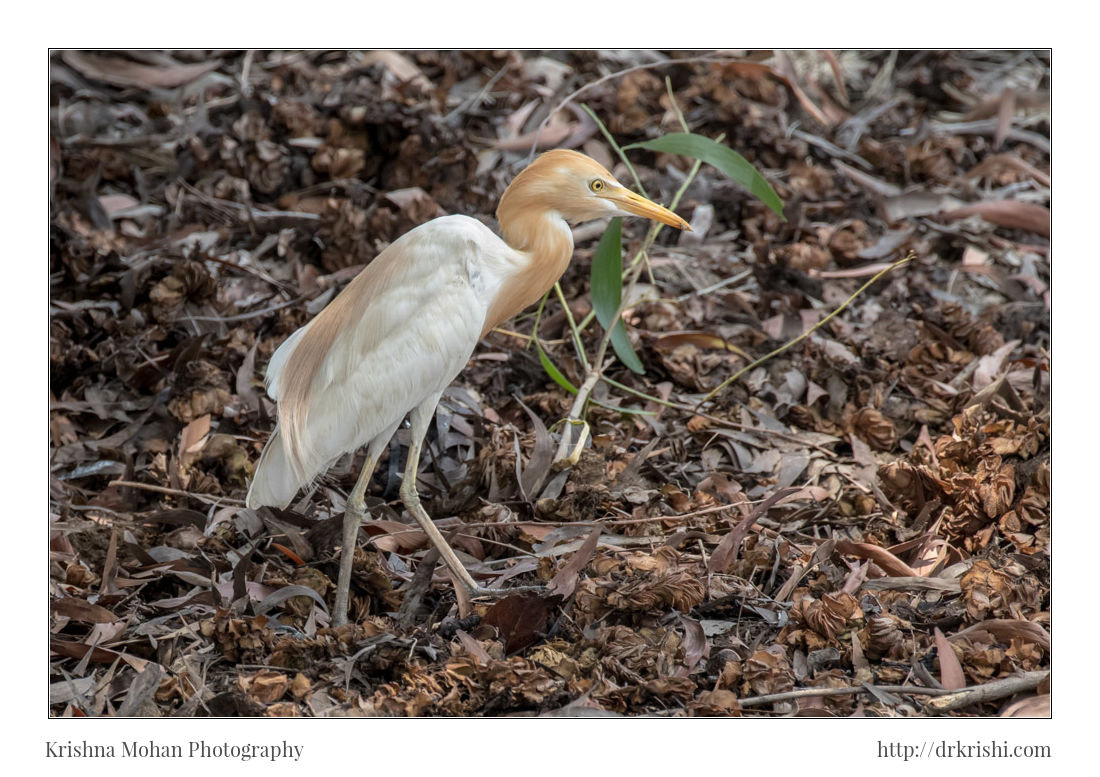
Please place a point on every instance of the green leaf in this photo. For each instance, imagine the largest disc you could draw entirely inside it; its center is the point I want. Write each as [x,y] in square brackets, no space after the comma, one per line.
[551,370]
[620,409]
[724,158]
[620,341]
[607,292]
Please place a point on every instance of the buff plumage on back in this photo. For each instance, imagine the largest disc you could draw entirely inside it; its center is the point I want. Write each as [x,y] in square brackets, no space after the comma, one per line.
[289,460]
[301,368]
[274,476]
[293,379]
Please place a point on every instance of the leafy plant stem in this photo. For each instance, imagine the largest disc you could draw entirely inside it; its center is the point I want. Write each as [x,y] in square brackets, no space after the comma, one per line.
[614,145]
[645,396]
[565,443]
[594,372]
[538,319]
[572,326]
[675,105]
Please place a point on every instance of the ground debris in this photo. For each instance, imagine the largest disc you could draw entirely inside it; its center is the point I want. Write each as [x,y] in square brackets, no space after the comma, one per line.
[871,507]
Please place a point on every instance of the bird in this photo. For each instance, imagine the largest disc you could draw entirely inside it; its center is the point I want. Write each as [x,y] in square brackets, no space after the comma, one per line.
[402,330]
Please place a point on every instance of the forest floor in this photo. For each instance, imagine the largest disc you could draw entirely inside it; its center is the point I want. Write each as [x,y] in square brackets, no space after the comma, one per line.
[860,524]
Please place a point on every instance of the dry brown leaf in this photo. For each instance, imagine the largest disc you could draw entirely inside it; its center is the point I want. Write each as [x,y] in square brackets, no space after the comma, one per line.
[1037,706]
[403,68]
[727,549]
[1033,100]
[565,581]
[81,610]
[521,620]
[538,466]
[706,340]
[393,536]
[192,438]
[696,646]
[474,648]
[1005,213]
[1006,630]
[266,686]
[887,561]
[553,135]
[1009,160]
[720,702]
[768,670]
[951,672]
[123,72]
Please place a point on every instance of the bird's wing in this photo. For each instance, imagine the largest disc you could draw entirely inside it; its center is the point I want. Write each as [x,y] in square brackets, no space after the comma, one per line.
[399,333]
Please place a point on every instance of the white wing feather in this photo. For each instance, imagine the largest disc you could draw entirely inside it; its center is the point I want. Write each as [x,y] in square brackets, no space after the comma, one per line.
[412,340]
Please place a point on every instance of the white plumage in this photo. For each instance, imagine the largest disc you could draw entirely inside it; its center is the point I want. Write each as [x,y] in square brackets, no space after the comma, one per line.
[408,344]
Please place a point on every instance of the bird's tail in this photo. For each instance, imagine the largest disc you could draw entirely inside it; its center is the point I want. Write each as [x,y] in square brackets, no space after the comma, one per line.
[274,484]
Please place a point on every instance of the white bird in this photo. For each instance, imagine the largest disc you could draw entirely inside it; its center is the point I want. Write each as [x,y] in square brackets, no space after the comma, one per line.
[399,333]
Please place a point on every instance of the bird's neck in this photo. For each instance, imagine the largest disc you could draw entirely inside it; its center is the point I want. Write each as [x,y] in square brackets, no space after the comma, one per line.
[544,244]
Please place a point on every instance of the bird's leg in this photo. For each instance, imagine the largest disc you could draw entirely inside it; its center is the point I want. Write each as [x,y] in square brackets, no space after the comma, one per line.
[354,512]
[419,418]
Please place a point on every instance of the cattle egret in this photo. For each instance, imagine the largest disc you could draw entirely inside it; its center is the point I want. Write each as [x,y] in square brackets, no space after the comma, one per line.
[389,344]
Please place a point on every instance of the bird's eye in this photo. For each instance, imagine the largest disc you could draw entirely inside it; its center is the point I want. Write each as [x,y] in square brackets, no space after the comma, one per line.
[596,185]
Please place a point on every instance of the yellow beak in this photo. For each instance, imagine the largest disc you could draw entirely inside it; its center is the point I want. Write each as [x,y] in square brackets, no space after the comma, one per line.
[640,206]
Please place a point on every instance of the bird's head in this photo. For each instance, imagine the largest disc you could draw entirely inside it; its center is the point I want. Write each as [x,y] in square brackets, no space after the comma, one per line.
[578,188]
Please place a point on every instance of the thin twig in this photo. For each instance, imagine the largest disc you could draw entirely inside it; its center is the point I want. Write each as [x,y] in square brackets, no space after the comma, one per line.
[831,149]
[621,521]
[950,699]
[713,287]
[803,693]
[249,270]
[246,87]
[176,492]
[989,127]
[619,74]
[244,316]
[565,444]
[250,212]
[791,343]
[87,508]
[992,691]
[476,99]
[526,337]
[716,419]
